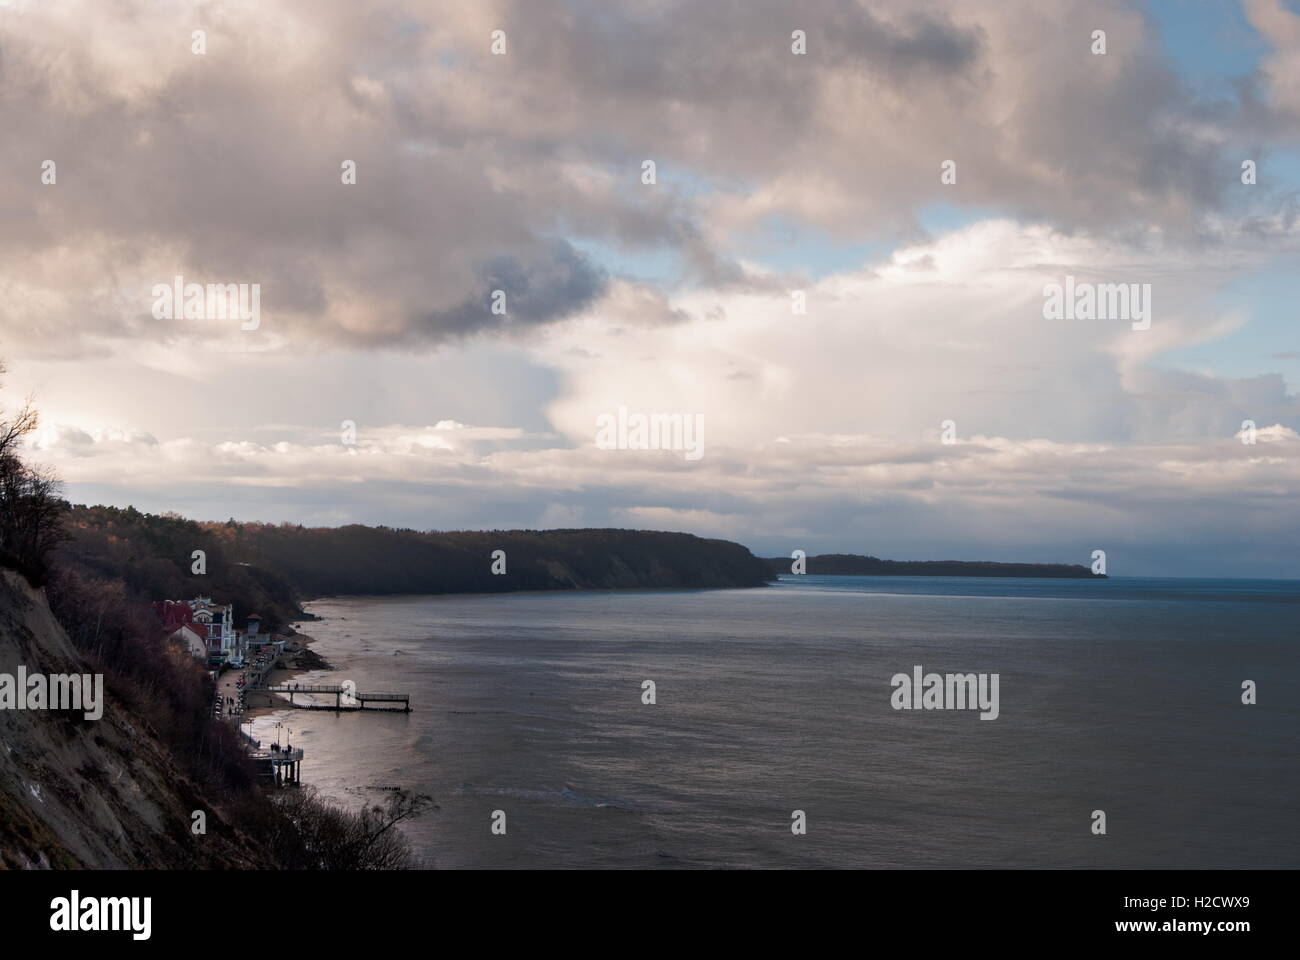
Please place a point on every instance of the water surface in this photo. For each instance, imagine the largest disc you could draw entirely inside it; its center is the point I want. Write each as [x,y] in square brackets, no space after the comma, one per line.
[1122,695]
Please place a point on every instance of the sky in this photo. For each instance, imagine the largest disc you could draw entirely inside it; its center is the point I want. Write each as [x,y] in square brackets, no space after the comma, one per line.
[838,269]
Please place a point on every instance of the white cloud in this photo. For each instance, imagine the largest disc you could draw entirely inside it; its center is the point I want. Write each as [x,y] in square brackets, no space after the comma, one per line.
[952,329]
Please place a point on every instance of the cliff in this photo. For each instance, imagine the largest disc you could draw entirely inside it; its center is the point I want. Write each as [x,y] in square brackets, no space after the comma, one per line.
[97,793]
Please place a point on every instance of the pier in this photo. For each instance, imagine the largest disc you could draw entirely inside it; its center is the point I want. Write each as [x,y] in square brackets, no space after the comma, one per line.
[339,692]
[278,765]
[283,767]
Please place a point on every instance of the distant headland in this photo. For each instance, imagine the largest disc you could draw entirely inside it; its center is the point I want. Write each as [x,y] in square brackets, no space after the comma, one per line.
[851,564]
[270,568]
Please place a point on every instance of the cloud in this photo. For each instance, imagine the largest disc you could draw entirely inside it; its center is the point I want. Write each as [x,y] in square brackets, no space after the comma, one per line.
[950,329]
[823,427]
[226,167]
[1280,72]
[73,441]
[474,171]
[987,497]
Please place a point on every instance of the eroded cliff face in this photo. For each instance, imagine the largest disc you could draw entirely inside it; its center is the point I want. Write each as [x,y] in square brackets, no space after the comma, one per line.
[97,793]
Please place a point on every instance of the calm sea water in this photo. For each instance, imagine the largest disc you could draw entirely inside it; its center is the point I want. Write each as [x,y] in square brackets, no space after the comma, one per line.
[1121,695]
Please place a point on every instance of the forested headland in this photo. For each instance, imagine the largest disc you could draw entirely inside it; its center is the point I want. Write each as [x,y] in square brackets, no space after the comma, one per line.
[270,568]
[851,564]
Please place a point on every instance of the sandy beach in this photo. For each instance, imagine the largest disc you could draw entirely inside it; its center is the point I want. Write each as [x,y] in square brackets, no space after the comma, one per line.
[298,659]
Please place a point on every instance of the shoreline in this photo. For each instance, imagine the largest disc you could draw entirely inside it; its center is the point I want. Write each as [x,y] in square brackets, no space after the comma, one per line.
[294,663]
[513,593]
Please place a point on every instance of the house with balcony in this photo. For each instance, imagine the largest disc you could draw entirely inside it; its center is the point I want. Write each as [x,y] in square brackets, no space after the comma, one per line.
[205,628]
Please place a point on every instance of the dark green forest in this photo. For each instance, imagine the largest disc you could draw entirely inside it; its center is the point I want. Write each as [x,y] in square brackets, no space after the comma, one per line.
[269,569]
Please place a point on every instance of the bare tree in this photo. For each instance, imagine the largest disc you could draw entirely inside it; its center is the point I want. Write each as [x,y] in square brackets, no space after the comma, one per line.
[313,834]
[31,505]
[12,431]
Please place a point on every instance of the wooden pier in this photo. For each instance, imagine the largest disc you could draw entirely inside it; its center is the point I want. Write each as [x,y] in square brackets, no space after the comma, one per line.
[282,767]
[339,692]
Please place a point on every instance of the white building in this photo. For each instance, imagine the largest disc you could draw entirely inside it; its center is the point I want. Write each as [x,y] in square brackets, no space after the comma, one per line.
[190,640]
[215,622]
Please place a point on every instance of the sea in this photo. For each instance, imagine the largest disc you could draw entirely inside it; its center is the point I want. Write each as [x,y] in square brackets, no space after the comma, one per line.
[761,729]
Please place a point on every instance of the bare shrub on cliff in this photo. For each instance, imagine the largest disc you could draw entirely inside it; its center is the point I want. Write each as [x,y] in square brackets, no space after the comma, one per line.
[31,508]
[305,832]
[121,637]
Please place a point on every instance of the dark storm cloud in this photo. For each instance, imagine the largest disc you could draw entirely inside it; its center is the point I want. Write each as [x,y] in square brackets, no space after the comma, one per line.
[556,283]
[225,166]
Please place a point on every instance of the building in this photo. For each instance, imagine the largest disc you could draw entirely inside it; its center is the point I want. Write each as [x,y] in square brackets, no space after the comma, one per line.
[205,628]
[173,613]
[215,622]
[190,641]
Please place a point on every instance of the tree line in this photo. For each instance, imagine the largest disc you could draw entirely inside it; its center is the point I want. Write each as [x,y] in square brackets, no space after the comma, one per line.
[269,568]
